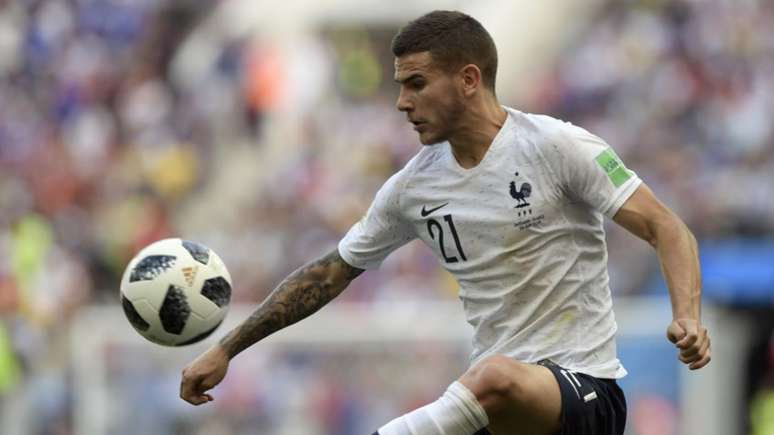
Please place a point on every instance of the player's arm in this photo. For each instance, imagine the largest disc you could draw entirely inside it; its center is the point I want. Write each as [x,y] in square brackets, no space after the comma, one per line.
[678,253]
[302,293]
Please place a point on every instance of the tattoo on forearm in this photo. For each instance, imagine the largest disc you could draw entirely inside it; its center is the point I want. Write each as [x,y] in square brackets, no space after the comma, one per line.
[302,293]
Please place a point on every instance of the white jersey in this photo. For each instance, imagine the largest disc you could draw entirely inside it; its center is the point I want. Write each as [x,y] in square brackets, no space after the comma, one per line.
[521,232]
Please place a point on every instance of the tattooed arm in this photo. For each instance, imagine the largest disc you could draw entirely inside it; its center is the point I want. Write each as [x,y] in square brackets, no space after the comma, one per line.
[302,293]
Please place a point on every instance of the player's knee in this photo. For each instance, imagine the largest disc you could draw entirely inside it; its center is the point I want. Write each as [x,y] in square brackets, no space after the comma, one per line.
[496,382]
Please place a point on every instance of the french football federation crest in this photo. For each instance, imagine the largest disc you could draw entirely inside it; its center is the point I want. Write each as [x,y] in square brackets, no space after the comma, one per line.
[521,194]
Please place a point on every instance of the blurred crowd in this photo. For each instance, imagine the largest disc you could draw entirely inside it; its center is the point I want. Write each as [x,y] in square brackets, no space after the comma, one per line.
[333,391]
[684,90]
[119,126]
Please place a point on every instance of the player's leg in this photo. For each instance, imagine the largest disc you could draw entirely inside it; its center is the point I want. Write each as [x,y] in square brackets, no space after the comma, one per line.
[518,398]
[508,397]
[545,399]
[456,412]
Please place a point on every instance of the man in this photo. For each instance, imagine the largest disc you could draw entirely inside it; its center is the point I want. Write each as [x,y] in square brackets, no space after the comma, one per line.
[512,204]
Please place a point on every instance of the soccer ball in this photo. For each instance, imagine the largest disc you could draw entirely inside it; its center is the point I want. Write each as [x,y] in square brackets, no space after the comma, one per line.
[175,292]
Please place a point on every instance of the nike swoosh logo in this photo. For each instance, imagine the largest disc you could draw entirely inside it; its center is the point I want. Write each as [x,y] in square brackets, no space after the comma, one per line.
[427,212]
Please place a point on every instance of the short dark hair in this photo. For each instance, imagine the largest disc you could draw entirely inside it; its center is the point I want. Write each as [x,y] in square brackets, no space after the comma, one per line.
[453,39]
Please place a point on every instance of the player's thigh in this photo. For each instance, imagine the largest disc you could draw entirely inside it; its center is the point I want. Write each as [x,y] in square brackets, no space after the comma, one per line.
[519,398]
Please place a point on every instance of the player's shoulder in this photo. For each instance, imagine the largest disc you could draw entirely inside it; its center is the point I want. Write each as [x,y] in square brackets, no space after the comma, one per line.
[426,160]
[541,125]
[554,137]
[423,159]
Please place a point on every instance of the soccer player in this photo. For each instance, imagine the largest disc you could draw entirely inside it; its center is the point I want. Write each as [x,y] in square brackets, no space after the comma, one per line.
[512,204]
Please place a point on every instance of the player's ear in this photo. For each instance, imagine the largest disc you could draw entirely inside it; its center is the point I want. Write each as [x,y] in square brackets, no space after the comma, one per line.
[470,76]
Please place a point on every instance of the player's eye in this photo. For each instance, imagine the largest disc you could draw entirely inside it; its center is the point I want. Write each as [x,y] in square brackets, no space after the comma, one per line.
[416,84]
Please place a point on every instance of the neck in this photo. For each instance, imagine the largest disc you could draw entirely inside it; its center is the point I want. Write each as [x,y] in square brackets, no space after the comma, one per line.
[476,132]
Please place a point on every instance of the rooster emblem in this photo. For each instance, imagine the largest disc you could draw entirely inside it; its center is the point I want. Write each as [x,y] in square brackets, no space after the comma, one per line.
[521,195]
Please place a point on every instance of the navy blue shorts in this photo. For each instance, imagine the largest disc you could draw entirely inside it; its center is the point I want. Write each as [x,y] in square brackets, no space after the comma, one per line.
[590,406]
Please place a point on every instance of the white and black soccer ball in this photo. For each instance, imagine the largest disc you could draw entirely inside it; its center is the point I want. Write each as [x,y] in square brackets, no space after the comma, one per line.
[175,292]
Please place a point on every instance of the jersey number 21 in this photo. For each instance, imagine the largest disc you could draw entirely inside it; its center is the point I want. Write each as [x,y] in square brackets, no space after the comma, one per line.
[433,227]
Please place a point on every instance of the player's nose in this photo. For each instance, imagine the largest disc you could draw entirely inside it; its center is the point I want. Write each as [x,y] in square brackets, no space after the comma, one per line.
[403,103]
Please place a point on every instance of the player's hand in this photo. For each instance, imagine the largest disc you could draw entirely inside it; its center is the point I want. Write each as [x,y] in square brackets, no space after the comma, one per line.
[202,374]
[692,340]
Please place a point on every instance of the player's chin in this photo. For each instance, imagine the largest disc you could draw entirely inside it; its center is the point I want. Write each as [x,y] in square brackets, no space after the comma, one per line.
[428,138]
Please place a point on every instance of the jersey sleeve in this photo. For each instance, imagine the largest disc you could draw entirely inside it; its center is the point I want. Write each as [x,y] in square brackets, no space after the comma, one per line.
[590,171]
[381,231]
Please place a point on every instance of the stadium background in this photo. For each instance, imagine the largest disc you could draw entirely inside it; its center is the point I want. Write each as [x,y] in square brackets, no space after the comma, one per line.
[263,129]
